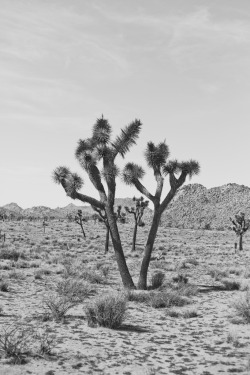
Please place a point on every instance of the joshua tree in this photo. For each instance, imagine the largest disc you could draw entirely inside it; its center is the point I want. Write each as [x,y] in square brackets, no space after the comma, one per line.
[79,219]
[240,226]
[138,212]
[44,223]
[156,157]
[90,152]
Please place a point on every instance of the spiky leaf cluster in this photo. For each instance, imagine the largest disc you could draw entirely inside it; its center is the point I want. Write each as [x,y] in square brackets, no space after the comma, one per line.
[189,168]
[132,172]
[127,137]
[72,182]
[156,155]
[101,131]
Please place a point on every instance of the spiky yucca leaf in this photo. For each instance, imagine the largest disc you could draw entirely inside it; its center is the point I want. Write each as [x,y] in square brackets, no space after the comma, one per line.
[101,131]
[127,138]
[156,155]
[190,167]
[60,173]
[132,172]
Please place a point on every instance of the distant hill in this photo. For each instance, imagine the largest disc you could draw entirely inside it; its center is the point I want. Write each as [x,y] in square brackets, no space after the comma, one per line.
[12,209]
[195,206]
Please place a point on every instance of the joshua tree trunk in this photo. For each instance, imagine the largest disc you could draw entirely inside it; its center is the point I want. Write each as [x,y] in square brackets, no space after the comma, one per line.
[120,258]
[83,231]
[142,283]
[134,237]
[241,242]
[107,240]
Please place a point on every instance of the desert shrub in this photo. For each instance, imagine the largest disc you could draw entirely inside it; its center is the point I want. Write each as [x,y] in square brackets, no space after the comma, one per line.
[107,311]
[56,306]
[242,307]
[41,272]
[4,286]
[75,288]
[92,276]
[218,273]
[15,342]
[140,296]
[167,298]
[10,254]
[235,271]
[185,289]
[186,313]
[157,279]
[18,275]
[46,343]
[189,313]
[182,279]
[233,338]
[230,284]
[207,226]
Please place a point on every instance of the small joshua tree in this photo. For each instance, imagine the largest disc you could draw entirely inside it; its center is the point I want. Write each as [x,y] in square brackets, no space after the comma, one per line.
[79,219]
[240,226]
[44,223]
[138,212]
[156,157]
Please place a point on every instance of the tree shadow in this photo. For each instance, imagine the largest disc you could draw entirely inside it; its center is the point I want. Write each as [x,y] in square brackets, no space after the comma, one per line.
[134,328]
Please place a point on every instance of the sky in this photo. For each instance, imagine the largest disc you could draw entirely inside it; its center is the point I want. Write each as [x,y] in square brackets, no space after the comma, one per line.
[181,67]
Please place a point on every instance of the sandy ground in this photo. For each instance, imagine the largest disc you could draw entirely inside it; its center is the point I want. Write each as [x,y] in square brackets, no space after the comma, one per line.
[150,341]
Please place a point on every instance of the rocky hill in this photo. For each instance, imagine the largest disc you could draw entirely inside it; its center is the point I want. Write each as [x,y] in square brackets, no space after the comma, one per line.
[195,206]
[12,210]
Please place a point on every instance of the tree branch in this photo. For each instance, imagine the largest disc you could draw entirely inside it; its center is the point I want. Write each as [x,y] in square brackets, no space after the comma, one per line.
[143,190]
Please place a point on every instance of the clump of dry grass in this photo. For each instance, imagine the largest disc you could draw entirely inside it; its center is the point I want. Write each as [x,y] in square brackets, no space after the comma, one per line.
[167,298]
[231,284]
[107,311]
[56,306]
[218,273]
[75,288]
[242,307]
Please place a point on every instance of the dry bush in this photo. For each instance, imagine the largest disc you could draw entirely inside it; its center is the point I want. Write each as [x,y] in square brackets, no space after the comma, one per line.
[75,288]
[242,307]
[4,286]
[107,311]
[140,296]
[233,338]
[186,313]
[56,306]
[218,273]
[167,298]
[231,284]
[16,341]
[157,279]
[10,254]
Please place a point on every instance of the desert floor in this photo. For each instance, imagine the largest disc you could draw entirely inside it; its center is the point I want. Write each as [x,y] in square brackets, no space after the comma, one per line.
[151,340]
